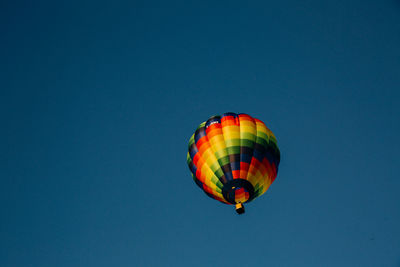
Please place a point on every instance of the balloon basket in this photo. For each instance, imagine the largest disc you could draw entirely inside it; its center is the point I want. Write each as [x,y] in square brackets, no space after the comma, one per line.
[239,208]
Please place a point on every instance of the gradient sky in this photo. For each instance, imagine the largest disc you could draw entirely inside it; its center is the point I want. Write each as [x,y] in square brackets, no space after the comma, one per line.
[98,100]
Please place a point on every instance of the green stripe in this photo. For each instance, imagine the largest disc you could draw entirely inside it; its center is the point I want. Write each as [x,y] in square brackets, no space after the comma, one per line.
[246,142]
[233,150]
[232,142]
[246,135]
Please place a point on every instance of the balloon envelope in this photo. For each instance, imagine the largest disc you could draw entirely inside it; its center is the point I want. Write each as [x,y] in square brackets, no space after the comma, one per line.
[233,158]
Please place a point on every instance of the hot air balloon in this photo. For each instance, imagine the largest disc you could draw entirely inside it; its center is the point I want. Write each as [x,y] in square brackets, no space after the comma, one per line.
[233,158]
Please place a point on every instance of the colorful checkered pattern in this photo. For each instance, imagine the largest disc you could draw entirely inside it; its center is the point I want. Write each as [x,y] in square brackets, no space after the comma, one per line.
[234,158]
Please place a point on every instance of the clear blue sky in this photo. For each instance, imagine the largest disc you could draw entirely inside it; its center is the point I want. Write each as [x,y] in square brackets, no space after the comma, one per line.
[98,101]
